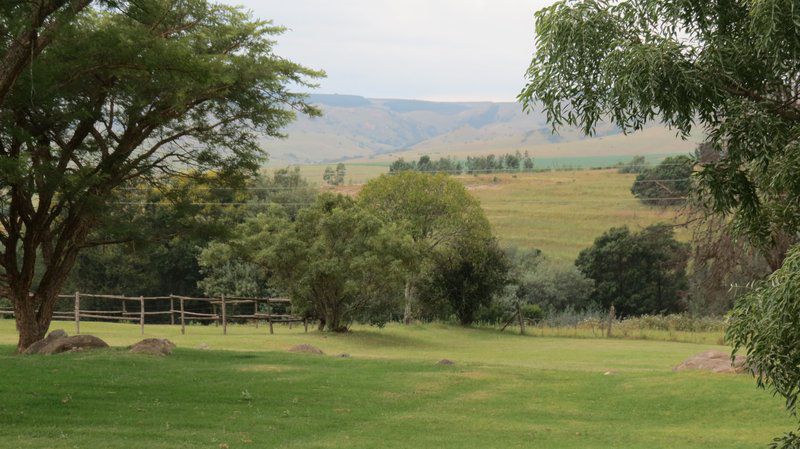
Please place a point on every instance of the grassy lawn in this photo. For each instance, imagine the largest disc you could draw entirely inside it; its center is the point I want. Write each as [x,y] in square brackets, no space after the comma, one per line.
[505,391]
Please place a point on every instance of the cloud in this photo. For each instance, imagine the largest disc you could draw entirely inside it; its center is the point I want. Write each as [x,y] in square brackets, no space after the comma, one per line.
[432,49]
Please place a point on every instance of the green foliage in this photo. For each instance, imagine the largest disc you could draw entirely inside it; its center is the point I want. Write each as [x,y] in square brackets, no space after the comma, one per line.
[637,273]
[764,324]
[726,68]
[532,312]
[509,162]
[435,210]
[467,277]
[226,272]
[667,184]
[337,260]
[335,177]
[555,287]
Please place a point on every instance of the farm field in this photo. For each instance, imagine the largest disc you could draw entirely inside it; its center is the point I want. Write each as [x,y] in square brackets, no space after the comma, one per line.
[504,391]
[558,212]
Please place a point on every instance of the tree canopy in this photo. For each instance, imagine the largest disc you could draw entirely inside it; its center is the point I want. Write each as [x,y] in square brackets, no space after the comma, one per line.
[724,68]
[338,260]
[434,209]
[667,184]
[637,273]
[159,88]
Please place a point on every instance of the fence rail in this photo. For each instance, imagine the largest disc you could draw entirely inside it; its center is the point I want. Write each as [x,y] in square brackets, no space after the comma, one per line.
[219,309]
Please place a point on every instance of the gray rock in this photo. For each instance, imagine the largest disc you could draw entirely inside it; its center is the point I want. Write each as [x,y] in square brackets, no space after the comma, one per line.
[153,346]
[36,347]
[74,343]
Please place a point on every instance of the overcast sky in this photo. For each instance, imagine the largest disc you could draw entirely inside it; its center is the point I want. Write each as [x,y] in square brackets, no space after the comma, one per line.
[421,49]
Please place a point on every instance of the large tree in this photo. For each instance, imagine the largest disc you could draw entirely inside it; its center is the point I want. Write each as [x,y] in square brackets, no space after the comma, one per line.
[637,272]
[435,210]
[337,260]
[726,68]
[162,87]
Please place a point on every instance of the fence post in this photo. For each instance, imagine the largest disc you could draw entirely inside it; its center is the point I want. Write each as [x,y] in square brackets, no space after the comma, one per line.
[77,313]
[141,313]
[255,312]
[269,317]
[224,317]
[612,315]
[183,323]
[171,311]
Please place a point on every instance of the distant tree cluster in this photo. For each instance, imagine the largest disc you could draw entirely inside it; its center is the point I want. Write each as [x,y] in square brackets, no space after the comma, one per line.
[667,184]
[509,162]
[335,176]
[426,164]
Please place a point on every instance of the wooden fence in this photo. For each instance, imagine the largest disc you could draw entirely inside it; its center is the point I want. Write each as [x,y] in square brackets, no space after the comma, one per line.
[137,312]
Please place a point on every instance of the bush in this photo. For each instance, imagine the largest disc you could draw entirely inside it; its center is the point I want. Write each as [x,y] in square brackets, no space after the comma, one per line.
[554,287]
[667,184]
[532,312]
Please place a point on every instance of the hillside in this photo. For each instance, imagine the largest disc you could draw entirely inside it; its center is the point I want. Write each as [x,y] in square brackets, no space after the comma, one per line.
[363,129]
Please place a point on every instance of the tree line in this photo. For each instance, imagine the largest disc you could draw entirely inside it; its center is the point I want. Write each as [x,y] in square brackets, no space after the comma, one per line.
[509,162]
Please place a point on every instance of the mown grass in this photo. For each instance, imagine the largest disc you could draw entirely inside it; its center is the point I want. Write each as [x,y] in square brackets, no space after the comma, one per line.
[504,391]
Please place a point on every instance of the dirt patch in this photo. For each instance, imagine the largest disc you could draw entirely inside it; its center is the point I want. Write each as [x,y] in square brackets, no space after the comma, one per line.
[266,369]
[478,375]
[480,395]
[716,362]
[306,349]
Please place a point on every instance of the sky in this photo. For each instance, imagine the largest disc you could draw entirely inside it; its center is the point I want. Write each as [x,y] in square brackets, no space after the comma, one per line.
[439,50]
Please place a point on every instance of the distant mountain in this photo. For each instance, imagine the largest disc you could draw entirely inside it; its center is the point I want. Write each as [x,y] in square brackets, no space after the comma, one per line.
[364,129]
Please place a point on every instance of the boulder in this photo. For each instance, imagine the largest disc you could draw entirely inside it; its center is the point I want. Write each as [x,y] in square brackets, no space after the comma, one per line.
[36,347]
[714,361]
[71,344]
[307,349]
[153,346]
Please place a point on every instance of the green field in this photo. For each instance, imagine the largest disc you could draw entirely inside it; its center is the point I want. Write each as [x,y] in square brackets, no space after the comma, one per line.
[505,391]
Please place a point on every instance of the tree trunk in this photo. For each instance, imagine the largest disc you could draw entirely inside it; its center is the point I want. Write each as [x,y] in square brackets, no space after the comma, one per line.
[32,326]
[409,293]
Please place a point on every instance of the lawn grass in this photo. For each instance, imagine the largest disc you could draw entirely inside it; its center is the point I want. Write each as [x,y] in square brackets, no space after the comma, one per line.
[505,391]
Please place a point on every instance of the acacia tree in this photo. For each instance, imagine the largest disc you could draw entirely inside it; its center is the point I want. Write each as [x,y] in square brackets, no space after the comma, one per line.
[163,87]
[435,210]
[726,68]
